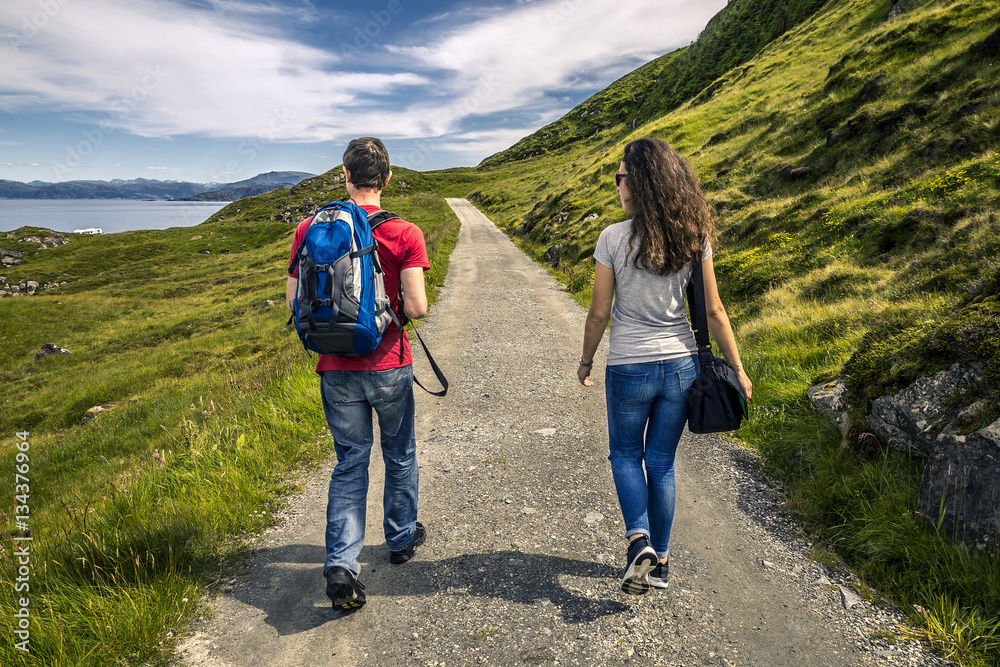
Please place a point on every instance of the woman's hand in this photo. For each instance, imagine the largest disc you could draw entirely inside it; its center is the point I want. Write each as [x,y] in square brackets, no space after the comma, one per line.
[745,382]
[583,372]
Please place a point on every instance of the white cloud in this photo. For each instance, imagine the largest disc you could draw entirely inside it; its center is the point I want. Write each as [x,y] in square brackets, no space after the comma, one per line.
[161,68]
[514,58]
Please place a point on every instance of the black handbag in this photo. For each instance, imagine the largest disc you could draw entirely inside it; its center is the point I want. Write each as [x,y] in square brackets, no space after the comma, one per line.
[715,400]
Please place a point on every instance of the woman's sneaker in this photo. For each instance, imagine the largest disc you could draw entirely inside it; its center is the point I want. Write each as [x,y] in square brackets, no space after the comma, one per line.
[640,561]
[343,589]
[658,577]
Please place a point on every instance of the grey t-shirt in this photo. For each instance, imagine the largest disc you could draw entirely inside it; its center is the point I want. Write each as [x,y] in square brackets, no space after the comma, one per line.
[648,319]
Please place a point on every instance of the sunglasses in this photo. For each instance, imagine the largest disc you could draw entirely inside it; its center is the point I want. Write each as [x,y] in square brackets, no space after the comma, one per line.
[618,179]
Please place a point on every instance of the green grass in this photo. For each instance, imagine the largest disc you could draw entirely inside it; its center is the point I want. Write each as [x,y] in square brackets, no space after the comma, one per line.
[214,411]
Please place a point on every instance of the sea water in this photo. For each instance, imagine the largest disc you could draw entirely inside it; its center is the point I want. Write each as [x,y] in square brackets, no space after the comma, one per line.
[108,215]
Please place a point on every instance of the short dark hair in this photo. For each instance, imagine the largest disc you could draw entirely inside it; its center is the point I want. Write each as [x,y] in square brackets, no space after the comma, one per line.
[368,161]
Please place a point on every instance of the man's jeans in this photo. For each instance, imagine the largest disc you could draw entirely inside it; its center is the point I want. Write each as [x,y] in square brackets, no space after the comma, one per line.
[348,399]
[647,411]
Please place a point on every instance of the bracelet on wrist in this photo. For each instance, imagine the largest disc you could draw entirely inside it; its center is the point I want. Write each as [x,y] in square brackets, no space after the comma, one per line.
[586,363]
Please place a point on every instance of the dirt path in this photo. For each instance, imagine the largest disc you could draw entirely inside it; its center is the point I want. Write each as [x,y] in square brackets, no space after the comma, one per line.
[525,544]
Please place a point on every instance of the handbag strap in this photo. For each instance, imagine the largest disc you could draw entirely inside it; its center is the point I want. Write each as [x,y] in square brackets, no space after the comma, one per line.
[699,316]
[437,371]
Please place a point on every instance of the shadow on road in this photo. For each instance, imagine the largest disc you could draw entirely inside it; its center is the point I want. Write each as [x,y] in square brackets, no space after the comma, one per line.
[292,596]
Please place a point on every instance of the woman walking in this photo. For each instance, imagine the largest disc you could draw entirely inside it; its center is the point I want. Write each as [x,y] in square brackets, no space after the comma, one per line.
[643,266]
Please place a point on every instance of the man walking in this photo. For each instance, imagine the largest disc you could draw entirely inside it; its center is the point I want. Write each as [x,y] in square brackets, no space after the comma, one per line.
[351,387]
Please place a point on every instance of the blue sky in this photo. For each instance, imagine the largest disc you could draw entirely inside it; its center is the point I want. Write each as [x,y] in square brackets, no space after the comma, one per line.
[221,90]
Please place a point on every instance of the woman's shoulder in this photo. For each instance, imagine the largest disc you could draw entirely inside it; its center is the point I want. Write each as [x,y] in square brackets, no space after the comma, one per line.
[615,230]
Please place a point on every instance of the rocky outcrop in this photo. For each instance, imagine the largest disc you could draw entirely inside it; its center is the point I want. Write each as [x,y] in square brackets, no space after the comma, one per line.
[25,287]
[15,257]
[913,419]
[960,489]
[830,398]
[901,6]
[49,349]
[46,242]
[11,257]
[94,412]
[554,254]
[960,486]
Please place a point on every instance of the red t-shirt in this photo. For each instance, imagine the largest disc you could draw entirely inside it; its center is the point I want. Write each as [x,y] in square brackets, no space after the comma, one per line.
[400,246]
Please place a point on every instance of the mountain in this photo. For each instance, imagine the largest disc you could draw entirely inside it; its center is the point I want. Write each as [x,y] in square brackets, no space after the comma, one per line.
[141,188]
[258,185]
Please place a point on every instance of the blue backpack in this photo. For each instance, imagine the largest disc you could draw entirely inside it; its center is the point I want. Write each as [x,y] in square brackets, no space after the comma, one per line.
[340,302]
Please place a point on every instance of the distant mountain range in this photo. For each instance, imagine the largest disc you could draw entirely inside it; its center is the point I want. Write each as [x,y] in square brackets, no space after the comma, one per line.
[142,188]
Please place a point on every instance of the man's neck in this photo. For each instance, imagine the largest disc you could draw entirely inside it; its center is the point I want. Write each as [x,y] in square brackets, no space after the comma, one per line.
[366,196]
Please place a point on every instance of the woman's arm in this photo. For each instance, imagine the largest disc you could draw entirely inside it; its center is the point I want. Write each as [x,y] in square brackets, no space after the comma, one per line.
[597,318]
[720,328]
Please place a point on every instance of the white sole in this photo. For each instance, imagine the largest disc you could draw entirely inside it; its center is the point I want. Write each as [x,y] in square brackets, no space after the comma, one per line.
[636,579]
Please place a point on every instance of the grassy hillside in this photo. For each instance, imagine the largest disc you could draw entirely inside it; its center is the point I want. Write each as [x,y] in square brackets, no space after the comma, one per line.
[212,406]
[854,168]
[732,37]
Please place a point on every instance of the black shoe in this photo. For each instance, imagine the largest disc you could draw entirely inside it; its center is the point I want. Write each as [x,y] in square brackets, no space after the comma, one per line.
[419,535]
[658,577]
[641,560]
[343,589]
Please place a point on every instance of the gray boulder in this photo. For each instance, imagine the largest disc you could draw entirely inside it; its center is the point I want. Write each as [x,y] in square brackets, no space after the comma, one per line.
[912,420]
[554,254]
[901,6]
[830,398]
[49,349]
[960,489]
[11,257]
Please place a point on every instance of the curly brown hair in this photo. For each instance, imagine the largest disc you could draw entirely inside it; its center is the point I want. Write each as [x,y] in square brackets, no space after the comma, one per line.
[671,219]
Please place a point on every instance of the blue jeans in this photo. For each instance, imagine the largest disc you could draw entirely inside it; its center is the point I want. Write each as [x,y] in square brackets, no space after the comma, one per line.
[647,411]
[348,400]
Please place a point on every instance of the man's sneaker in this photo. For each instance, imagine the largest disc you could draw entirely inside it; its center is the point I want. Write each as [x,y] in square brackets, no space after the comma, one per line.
[343,589]
[658,577]
[419,535]
[641,561]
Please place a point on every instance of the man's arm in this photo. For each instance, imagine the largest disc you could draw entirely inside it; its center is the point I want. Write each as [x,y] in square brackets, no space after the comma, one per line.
[414,294]
[290,286]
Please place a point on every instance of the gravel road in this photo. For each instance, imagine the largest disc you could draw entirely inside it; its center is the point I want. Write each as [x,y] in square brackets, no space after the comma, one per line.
[525,542]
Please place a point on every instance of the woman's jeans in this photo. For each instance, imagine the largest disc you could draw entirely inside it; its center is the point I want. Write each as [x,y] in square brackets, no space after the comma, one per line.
[348,400]
[647,410]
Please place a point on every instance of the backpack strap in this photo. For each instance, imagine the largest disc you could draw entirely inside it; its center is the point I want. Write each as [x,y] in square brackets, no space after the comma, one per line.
[376,218]
[298,253]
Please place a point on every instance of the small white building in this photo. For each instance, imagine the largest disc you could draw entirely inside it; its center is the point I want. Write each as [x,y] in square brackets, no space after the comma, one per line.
[89,230]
